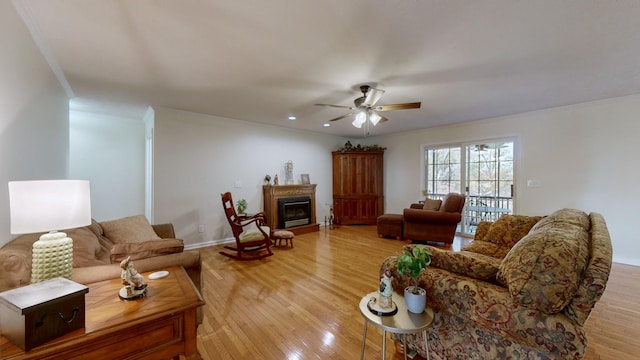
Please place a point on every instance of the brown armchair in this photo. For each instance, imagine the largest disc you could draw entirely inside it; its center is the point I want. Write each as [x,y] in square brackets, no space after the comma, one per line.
[422,225]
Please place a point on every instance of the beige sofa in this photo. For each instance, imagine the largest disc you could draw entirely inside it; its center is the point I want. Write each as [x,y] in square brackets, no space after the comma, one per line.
[523,289]
[98,249]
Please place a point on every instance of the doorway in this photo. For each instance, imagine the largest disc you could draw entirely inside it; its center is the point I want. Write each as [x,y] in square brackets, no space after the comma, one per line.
[485,170]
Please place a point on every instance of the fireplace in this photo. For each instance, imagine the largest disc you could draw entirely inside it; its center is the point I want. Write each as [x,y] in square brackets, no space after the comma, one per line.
[294,211]
[272,207]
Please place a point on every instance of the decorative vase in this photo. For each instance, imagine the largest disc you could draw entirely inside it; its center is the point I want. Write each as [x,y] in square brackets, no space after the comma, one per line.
[416,299]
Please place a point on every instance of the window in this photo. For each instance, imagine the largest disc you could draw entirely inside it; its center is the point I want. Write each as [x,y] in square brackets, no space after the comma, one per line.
[443,173]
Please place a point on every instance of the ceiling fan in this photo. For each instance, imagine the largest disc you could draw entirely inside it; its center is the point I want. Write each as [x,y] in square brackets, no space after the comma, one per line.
[365,107]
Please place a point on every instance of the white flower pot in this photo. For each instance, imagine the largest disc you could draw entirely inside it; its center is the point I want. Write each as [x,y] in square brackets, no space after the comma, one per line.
[416,299]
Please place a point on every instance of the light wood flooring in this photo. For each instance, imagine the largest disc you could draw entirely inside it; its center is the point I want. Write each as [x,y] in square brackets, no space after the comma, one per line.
[302,303]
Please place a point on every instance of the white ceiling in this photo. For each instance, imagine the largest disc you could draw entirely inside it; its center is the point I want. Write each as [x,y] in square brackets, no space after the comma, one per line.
[260,61]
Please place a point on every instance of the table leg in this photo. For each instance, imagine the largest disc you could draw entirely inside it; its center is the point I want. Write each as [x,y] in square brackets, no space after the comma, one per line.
[426,342]
[404,345]
[364,339]
[384,343]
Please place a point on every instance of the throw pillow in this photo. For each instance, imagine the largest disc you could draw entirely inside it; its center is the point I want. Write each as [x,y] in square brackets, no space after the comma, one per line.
[130,229]
[146,249]
[509,229]
[543,270]
[254,234]
[482,229]
[87,250]
[430,204]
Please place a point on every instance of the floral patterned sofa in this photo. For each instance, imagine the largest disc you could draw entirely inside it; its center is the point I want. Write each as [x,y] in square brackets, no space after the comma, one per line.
[523,289]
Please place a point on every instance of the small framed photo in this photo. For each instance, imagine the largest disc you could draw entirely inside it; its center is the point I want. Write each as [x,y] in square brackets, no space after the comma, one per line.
[305,178]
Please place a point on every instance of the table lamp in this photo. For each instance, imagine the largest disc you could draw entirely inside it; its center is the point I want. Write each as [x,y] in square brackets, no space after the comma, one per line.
[48,205]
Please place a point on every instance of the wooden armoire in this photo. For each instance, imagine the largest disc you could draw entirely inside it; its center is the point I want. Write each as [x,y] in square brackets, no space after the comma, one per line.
[357,187]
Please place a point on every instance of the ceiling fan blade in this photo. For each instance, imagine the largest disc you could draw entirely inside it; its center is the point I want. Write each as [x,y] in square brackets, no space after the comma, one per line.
[382,119]
[336,106]
[413,105]
[373,96]
[341,117]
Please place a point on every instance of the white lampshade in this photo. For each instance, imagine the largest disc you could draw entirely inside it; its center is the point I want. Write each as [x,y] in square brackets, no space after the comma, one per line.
[46,205]
[374,118]
[49,205]
[360,119]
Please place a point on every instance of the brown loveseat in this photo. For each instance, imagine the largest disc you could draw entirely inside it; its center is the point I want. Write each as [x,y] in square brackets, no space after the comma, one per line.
[523,289]
[435,220]
[98,249]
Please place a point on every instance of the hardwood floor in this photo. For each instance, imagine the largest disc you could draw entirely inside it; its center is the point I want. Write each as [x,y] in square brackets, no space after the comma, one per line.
[302,303]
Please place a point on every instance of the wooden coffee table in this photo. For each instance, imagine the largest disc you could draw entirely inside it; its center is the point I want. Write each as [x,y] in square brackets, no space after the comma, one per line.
[160,325]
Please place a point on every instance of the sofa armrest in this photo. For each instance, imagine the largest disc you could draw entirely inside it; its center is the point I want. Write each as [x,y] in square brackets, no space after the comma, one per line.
[429,216]
[164,231]
[15,269]
[416,206]
[15,262]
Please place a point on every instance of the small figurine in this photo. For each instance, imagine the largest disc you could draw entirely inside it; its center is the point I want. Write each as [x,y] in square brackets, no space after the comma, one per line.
[267,179]
[331,216]
[135,286]
[275,180]
[385,291]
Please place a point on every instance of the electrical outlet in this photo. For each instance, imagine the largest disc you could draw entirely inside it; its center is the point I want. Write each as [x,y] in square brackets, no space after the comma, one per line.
[201,228]
[534,183]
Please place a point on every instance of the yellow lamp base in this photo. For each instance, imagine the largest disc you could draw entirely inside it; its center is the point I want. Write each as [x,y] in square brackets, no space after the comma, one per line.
[52,256]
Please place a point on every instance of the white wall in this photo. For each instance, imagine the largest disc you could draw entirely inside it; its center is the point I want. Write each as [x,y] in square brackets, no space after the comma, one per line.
[198,157]
[109,151]
[34,110]
[584,155]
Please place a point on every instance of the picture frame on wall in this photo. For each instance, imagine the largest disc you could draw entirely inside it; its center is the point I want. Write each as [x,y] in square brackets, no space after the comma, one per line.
[305,178]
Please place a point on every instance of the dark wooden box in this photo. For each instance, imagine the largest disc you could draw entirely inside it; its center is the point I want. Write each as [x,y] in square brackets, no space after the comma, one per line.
[37,313]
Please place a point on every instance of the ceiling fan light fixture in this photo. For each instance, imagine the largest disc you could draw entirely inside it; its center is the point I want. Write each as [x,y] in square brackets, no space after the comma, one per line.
[361,118]
[375,118]
[365,108]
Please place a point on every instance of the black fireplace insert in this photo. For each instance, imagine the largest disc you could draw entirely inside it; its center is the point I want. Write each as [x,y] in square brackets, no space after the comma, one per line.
[294,211]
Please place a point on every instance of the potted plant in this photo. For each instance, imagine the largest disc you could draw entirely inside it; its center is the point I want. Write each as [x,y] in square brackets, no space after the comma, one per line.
[242,206]
[411,263]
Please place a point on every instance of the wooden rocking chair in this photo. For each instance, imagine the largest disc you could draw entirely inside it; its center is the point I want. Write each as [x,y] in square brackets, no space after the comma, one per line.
[251,233]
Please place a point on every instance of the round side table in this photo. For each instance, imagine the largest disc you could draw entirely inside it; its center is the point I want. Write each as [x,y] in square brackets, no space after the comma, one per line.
[403,322]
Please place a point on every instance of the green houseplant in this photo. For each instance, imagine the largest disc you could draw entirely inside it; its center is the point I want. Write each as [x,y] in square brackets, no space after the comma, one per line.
[411,263]
[242,206]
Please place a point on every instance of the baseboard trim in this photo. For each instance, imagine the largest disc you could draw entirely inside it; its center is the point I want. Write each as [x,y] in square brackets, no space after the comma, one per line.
[209,243]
